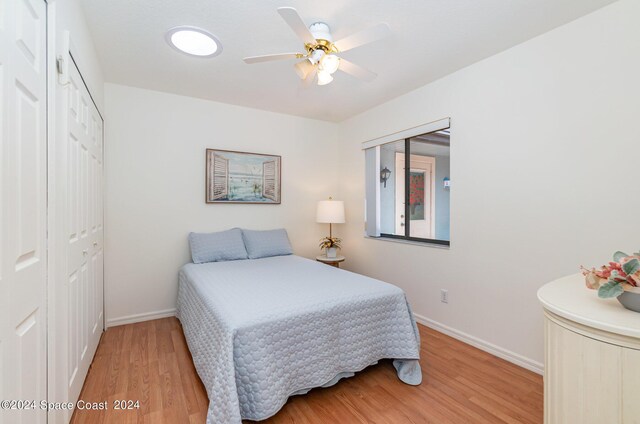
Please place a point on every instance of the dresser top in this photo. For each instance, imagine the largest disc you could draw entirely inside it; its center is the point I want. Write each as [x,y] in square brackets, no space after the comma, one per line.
[569,298]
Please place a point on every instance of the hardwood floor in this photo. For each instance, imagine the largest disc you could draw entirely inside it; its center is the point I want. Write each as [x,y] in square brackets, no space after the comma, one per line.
[150,362]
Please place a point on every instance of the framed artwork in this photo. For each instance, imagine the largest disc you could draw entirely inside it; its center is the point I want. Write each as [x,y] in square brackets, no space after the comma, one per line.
[239,177]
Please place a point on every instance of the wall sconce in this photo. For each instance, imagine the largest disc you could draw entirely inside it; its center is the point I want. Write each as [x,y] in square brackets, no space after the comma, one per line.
[384,176]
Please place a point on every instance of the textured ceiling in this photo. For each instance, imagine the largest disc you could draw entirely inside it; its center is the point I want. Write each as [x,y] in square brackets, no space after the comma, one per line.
[430,38]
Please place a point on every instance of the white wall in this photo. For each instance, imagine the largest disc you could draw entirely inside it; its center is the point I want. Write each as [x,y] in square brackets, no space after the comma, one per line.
[545,140]
[155,153]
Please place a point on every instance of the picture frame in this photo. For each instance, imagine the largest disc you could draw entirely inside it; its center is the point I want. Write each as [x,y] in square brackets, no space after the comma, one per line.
[242,177]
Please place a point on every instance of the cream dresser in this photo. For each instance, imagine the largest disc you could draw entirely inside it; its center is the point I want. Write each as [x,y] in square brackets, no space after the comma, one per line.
[592,356]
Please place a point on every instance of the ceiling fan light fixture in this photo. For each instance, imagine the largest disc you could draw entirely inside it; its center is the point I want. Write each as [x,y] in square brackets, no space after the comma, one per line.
[193,41]
[316,56]
[324,78]
[330,63]
[321,31]
[320,51]
[303,68]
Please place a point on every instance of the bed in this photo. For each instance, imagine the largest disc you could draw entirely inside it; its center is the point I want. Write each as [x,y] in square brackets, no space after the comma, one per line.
[261,330]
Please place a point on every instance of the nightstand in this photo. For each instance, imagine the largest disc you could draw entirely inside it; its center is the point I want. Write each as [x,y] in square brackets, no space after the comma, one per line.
[331,261]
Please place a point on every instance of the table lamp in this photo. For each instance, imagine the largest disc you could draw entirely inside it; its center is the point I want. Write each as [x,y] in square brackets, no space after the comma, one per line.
[330,212]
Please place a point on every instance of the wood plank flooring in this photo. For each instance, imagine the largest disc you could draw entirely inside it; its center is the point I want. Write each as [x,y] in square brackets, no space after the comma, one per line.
[150,362]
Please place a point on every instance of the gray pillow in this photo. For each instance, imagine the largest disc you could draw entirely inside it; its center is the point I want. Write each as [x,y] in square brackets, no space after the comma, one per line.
[215,247]
[262,244]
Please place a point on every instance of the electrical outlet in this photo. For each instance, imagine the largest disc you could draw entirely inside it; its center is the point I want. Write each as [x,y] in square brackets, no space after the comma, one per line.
[444,296]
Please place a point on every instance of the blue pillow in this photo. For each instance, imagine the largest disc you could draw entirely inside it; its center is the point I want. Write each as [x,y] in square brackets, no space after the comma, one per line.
[262,244]
[215,247]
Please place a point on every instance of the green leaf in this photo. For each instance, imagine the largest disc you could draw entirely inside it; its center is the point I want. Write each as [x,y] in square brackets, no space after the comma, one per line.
[618,256]
[631,267]
[610,289]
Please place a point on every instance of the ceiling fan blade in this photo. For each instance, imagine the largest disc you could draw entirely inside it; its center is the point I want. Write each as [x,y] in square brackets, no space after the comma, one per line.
[311,76]
[376,32]
[357,71]
[270,57]
[291,17]
[303,68]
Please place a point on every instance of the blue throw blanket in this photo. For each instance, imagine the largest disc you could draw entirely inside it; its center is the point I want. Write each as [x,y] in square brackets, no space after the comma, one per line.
[262,330]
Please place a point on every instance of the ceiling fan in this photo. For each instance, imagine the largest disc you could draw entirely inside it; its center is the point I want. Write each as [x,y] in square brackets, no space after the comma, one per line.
[321,52]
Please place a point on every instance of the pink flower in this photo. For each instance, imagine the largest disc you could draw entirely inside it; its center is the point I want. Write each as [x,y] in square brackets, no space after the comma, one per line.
[594,278]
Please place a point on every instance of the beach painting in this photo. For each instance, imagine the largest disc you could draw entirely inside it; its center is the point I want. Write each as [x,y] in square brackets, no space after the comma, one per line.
[238,177]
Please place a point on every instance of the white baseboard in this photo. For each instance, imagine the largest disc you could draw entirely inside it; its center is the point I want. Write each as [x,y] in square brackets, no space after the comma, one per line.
[498,351]
[147,316]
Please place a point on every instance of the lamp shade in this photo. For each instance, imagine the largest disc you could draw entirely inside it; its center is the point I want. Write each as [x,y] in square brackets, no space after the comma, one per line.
[330,212]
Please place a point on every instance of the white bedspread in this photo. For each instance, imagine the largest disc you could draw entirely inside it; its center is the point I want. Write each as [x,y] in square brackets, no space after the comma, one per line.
[261,330]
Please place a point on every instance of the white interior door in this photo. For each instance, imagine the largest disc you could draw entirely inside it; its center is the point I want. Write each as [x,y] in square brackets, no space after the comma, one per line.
[422,196]
[23,194]
[84,231]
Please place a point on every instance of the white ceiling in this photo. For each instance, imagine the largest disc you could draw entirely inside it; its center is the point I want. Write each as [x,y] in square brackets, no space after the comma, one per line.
[430,39]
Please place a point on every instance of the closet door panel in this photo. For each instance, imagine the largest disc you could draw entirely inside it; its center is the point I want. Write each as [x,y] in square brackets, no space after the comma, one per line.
[23,213]
[84,189]
[3,224]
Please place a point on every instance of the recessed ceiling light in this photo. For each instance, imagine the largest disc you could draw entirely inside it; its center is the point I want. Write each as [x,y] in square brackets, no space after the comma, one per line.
[194,41]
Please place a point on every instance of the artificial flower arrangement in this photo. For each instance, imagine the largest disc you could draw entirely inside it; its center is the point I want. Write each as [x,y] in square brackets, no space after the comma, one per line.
[613,279]
[329,242]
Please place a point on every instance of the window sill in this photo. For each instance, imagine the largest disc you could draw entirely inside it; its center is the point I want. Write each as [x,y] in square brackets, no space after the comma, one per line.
[415,243]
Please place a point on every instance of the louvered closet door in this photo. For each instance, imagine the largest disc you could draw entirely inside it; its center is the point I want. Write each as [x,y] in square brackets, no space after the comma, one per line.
[84,231]
[23,196]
